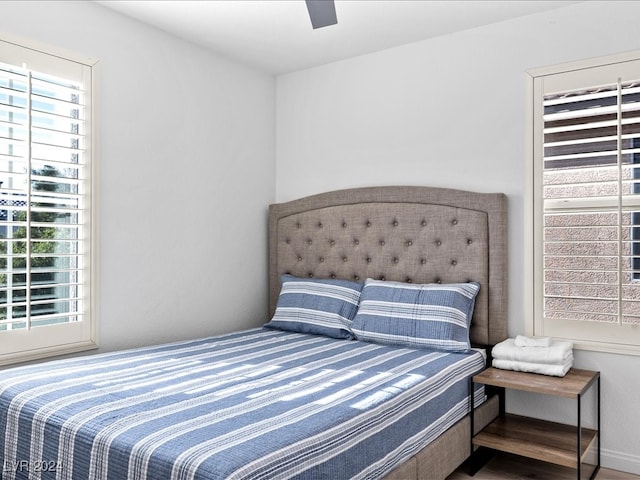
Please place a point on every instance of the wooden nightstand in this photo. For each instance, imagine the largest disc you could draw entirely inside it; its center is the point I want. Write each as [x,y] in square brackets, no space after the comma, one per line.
[552,442]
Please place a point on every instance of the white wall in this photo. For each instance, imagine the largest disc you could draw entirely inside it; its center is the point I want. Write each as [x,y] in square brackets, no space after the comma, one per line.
[450,112]
[187,152]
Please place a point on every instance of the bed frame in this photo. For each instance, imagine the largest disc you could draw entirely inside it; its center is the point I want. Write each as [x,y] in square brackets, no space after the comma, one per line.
[409,234]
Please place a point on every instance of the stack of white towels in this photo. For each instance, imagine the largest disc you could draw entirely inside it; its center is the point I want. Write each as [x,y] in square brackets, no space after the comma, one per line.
[534,354]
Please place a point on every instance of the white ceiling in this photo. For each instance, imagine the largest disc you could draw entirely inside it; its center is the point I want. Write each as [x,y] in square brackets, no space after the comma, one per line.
[276,35]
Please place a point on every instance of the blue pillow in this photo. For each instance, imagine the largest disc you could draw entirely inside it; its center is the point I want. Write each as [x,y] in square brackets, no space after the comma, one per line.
[430,315]
[319,306]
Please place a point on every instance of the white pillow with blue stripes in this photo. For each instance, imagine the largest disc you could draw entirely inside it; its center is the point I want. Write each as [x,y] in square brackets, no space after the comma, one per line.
[318,306]
[433,315]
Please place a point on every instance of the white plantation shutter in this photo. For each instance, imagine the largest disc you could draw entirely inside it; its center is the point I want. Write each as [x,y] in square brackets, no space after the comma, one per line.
[587,205]
[45,204]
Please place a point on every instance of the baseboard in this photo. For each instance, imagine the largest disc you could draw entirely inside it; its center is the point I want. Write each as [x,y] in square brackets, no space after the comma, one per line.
[623,462]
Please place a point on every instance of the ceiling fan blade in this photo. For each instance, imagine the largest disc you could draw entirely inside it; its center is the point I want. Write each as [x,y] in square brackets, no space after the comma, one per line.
[322,13]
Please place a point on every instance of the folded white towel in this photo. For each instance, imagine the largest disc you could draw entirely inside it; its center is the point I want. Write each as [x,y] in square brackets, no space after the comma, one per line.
[524,341]
[541,368]
[556,354]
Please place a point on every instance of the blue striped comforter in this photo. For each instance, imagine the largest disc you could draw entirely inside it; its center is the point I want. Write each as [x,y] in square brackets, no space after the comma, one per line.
[257,404]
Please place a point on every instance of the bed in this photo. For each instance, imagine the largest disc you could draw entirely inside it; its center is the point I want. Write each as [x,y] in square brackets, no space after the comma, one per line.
[296,398]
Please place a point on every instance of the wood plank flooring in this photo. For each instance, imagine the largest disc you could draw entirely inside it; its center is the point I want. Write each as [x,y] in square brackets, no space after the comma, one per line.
[505,466]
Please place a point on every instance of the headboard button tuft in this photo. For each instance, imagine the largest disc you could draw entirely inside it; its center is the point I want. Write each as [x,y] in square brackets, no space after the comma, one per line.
[356,277]
[386,239]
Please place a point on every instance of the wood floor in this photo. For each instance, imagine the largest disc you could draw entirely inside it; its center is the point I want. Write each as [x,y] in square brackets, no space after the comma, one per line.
[511,467]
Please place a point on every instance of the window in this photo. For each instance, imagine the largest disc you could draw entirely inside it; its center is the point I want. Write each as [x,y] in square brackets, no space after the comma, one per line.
[46,207]
[585,169]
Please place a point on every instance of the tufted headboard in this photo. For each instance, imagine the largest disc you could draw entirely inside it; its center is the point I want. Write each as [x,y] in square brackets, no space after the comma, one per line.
[403,233]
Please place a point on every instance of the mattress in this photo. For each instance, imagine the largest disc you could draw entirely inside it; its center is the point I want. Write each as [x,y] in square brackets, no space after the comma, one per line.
[257,404]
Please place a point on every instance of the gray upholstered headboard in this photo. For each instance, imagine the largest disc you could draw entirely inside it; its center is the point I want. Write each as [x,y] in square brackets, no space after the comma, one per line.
[403,233]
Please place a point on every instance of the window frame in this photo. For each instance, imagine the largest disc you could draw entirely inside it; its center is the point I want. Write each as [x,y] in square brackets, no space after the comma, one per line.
[533,202]
[67,338]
